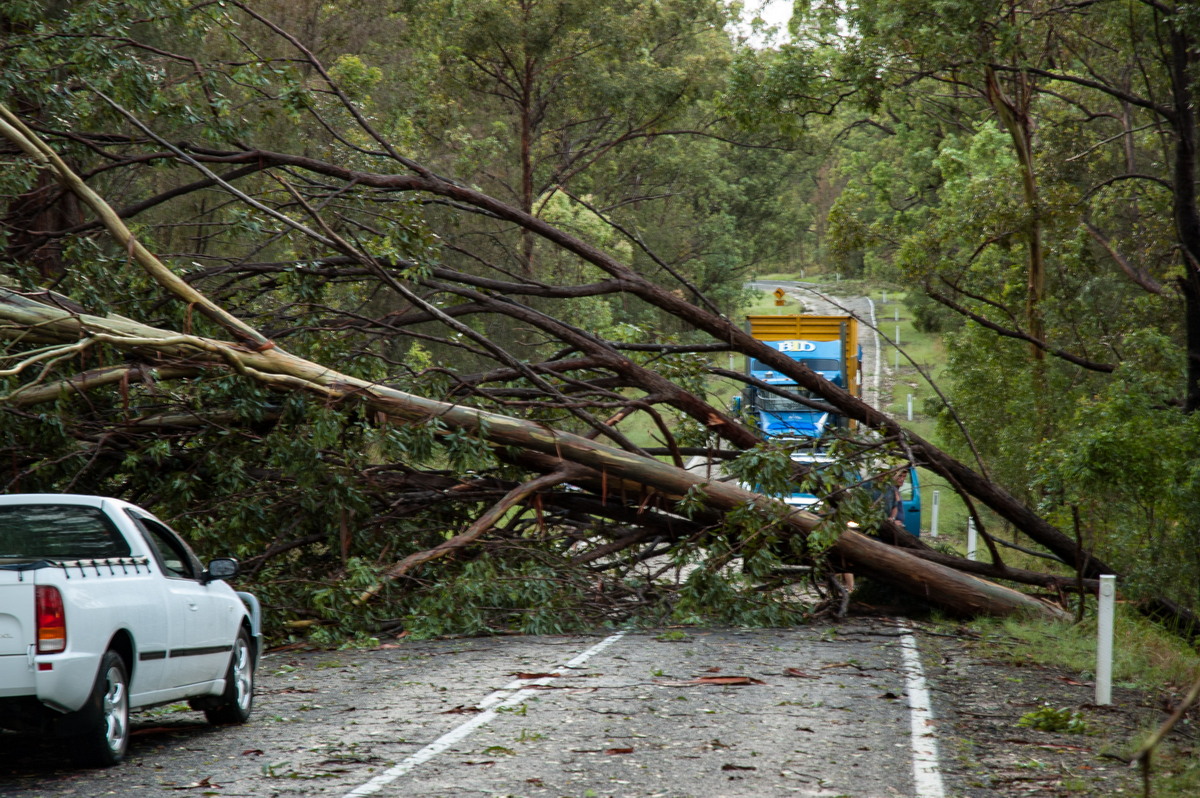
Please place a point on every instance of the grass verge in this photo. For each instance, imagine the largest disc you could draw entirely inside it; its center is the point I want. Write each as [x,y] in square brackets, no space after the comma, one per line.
[1147,659]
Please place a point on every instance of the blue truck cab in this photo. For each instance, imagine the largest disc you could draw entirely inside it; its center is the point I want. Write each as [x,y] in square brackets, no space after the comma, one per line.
[828,345]
[778,417]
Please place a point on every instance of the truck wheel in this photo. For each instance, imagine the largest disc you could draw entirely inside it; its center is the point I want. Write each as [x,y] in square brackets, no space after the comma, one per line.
[105,717]
[234,705]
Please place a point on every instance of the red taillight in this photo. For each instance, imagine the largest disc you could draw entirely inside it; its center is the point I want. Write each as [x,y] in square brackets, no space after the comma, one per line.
[51,620]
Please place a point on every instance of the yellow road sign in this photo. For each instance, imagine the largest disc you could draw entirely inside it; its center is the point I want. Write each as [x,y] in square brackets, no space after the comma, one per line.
[780,293]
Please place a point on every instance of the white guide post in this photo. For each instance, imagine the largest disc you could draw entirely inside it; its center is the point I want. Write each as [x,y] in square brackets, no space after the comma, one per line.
[910,407]
[933,516]
[971,541]
[896,317]
[884,298]
[1104,639]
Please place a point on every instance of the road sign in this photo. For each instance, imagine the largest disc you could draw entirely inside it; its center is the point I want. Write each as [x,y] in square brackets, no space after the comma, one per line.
[780,293]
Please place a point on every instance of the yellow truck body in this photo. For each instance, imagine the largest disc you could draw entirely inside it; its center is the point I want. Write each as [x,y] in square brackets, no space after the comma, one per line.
[814,328]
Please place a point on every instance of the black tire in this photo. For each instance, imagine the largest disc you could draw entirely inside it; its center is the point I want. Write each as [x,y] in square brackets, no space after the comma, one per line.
[235,704]
[105,717]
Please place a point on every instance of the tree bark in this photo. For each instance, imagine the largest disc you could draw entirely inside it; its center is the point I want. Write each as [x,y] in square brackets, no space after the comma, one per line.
[956,593]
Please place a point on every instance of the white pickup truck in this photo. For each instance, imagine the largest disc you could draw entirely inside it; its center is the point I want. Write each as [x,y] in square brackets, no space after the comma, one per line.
[104,608]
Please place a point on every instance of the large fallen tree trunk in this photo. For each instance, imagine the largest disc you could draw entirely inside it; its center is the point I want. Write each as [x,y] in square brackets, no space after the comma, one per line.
[953,591]
[960,476]
[257,357]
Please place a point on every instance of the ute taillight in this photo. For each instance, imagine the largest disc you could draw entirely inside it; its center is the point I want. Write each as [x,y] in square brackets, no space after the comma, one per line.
[51,620]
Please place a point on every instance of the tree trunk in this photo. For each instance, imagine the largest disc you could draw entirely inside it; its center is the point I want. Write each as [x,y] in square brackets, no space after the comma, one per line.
[1187,213]
[954,592]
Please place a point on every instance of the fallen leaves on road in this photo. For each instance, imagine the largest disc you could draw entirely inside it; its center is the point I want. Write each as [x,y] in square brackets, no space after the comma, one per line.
[796,673]
[729,681]
[204,783]
[164,729]
[253,752]
[619,751]
[521,675]
[1048,746]
[738,767]
[461,710]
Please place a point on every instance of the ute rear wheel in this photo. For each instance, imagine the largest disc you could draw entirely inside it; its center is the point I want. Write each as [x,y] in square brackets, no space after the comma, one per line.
[235,704]
[105,717]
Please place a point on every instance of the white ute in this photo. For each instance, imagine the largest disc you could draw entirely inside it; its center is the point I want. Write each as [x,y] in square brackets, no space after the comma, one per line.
[103,608]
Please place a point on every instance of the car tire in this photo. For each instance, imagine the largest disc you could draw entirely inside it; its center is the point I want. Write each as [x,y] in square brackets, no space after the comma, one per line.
[234,705]
[105,717]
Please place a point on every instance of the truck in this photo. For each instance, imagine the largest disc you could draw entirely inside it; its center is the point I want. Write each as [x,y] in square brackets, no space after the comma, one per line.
[826,344]
[104,608]
[829,346]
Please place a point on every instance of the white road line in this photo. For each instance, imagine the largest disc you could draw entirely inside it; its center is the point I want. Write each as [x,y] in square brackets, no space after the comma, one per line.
[511,695]
[927,773]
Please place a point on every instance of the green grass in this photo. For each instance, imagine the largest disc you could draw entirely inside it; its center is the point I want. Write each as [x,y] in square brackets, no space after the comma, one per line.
[1145,656]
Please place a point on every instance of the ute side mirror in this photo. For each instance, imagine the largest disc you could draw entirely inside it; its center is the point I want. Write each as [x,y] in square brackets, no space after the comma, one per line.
[221,568]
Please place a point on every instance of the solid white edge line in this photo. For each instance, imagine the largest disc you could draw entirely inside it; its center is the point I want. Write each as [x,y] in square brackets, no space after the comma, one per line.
[501,699]
[927,772]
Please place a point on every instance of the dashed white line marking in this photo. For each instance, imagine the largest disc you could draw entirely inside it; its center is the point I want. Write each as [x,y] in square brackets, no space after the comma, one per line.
[511,695]
[927,773]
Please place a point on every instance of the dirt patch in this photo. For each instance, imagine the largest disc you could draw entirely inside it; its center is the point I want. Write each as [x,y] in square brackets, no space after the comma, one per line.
[981,695]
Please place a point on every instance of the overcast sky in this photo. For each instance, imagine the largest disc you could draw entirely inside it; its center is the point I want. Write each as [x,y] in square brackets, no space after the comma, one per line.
[774,12]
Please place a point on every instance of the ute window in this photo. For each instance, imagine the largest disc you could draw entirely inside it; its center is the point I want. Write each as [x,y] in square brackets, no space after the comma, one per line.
[58,532]
[172,554]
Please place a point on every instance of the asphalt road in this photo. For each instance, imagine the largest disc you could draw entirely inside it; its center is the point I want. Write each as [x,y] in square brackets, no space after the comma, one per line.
[814,711]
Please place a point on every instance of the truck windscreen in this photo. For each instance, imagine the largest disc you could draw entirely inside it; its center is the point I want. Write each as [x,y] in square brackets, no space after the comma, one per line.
[58,532]
[815,363]
[777,404]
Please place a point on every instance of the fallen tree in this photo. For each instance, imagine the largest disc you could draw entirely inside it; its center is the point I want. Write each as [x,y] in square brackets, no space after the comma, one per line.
[561,456]
[574,458]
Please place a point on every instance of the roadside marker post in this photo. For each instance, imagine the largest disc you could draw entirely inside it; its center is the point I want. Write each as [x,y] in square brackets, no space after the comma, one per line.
[1104,639]
[971,539]
[884,298]
[933,520]
[896,317]
[910,407]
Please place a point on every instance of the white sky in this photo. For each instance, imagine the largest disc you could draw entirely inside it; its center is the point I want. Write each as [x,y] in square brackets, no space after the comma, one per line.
[773,12]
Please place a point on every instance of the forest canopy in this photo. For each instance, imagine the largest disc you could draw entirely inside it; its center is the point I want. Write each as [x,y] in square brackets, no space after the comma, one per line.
[547,210]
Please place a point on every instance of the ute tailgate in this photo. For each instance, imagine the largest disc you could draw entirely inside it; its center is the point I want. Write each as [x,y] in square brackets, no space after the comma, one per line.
[16,632]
